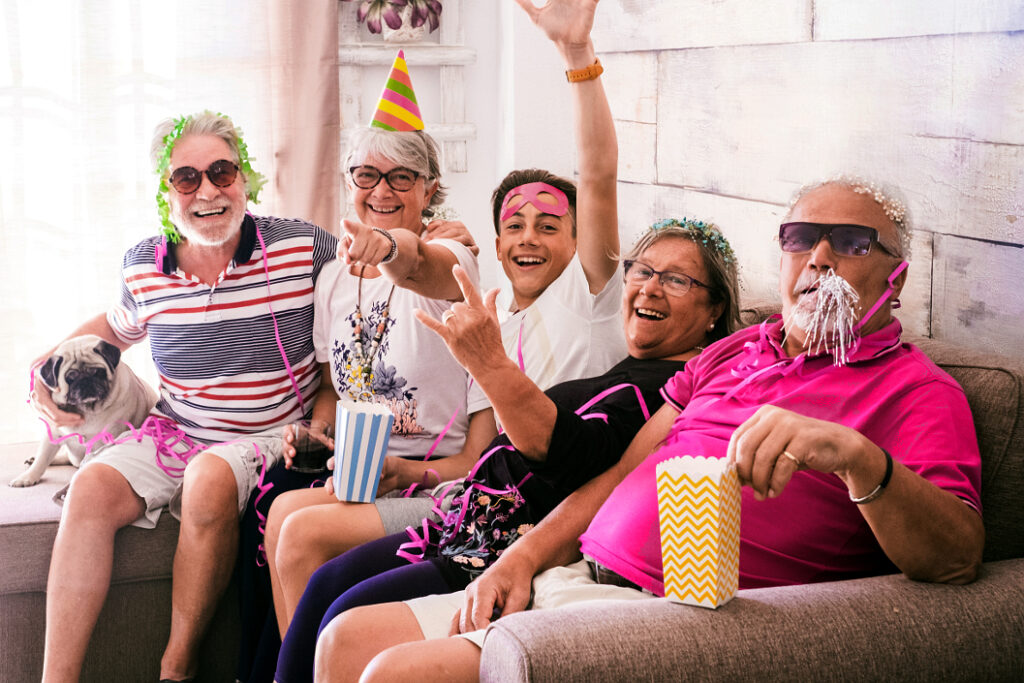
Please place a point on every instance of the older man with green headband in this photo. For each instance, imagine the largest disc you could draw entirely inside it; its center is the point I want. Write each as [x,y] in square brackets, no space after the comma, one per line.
[226,301]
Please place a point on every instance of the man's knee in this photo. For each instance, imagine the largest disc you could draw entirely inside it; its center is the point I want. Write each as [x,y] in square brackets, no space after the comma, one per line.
[209,490]
[100,493]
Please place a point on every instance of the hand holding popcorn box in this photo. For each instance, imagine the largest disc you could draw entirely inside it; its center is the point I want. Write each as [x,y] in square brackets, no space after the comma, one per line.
[699,515]
[361,438]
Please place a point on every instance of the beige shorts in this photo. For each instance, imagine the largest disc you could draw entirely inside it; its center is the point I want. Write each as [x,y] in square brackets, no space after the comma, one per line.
[554,588]
[136,461]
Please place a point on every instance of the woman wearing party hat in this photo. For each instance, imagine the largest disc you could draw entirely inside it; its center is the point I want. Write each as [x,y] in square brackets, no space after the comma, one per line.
[561,318]
[370,345]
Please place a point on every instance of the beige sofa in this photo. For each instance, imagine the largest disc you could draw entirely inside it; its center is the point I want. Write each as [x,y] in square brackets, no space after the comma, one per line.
[870,629]
[882,628]
[135,621]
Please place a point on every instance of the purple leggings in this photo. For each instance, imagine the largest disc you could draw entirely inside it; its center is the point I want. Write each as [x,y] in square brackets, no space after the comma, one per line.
[366,575]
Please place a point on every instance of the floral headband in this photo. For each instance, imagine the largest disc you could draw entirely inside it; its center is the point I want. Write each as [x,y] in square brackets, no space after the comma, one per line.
[254,181]
[707,234]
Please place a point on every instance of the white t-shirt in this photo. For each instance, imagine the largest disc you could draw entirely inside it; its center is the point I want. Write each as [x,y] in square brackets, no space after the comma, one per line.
[414,374]
[567,333]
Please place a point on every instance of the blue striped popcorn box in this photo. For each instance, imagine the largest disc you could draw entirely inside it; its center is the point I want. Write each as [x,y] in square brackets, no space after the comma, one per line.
[361,438]
[699,515]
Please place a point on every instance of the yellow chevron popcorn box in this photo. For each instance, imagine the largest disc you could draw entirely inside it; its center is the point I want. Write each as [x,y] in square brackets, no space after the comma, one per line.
[699,514]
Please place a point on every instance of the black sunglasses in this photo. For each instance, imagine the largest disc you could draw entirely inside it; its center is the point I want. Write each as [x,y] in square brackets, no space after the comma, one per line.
[845,240]
[398,179]
[187,180]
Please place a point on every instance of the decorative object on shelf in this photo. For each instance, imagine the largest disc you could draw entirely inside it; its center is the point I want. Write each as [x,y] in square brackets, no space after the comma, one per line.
[400,20]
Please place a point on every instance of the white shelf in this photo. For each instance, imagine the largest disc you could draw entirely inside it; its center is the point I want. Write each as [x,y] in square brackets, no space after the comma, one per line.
[383,54]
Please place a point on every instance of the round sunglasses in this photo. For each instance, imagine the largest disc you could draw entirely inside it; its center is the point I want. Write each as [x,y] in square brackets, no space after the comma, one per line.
[845,240]
[187,180]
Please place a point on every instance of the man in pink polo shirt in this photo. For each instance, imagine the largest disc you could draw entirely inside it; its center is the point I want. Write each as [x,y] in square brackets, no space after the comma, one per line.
[857,454]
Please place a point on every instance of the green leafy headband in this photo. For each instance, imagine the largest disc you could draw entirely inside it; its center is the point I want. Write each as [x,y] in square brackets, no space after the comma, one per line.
[707,234]
[254,181]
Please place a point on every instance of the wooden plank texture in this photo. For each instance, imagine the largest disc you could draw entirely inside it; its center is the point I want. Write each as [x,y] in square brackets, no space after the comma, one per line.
[629,25]
[844,20]
[977,298]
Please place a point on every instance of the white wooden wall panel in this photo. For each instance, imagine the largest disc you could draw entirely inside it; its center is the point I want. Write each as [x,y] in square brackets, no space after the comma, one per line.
[631,82]
[758,121]
[637,150]
[627,25]
[988,86]
[977,297]
[846,19]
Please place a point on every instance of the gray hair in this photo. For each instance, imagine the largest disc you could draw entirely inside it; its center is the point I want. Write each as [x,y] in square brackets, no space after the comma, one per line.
[718,258]
[887,196]
[204,123]
[414,150]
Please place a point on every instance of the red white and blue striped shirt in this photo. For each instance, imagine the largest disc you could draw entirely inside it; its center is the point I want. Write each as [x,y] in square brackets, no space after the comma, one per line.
[221,372]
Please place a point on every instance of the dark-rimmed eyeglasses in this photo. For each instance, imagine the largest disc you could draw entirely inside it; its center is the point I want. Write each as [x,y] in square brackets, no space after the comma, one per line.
[187,180]
[673,282]
[398,179]
[845,240]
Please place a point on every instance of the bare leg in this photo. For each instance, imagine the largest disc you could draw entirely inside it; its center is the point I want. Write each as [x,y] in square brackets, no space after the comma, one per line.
[207,544]
[284,505]
[313,535]
[100,502]
[355,637]
[448,659]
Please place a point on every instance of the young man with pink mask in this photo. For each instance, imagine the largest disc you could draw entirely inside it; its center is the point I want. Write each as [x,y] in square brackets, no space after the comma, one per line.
[558,244]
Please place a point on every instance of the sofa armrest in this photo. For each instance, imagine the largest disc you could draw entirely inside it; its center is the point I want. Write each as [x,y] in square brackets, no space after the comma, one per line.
[885,627]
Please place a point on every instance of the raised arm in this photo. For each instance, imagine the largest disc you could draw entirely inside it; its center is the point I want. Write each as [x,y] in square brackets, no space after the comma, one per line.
[567,23]
[417,265]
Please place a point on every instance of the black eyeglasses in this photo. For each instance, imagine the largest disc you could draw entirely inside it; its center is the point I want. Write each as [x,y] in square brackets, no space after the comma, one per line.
[187,180]
[846,240]
[672,282]
[399,179]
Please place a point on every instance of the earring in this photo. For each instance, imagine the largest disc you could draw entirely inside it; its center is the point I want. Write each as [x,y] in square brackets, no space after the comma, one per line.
[711,326]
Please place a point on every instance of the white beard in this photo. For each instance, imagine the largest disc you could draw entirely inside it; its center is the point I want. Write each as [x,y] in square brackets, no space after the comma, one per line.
[827,316]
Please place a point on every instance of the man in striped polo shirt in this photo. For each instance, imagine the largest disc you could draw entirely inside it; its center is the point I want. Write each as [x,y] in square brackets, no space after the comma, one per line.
[226,300]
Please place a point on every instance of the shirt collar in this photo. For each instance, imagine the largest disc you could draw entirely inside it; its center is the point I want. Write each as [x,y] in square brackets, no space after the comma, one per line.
[870,346]
[243,252]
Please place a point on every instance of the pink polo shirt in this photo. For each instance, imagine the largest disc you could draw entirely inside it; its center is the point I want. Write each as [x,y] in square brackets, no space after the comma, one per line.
[890,392]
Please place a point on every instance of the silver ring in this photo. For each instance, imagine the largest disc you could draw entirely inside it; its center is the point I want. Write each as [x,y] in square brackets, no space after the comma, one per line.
[446,316]
[792,457]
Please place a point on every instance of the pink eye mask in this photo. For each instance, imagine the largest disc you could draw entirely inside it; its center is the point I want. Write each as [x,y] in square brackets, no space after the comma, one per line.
[529,193]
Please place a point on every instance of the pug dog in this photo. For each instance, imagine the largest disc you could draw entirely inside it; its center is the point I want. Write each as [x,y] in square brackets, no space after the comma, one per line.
[86,376]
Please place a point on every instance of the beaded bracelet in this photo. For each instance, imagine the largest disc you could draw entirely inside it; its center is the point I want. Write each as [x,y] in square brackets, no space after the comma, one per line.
[394,245]
[881,487]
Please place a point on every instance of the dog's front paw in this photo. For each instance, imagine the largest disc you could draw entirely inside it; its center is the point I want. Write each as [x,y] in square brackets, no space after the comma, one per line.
[24,480]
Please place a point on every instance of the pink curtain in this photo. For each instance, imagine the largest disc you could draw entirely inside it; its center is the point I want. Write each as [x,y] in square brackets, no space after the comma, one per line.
[306,116]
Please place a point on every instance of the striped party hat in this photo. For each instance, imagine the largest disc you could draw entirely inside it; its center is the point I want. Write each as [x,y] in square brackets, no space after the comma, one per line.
[397,109]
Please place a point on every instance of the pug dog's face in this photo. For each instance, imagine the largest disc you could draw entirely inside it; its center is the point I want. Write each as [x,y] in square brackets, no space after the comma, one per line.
[80,373]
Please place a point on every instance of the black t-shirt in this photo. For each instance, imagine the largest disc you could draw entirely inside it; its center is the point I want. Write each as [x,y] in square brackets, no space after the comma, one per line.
[509,494]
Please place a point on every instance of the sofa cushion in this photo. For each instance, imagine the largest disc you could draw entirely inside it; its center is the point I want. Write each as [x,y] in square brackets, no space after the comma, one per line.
[28,525]
[995,391]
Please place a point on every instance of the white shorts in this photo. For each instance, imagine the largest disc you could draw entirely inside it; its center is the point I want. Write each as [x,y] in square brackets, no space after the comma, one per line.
[553,588]
[136,461]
